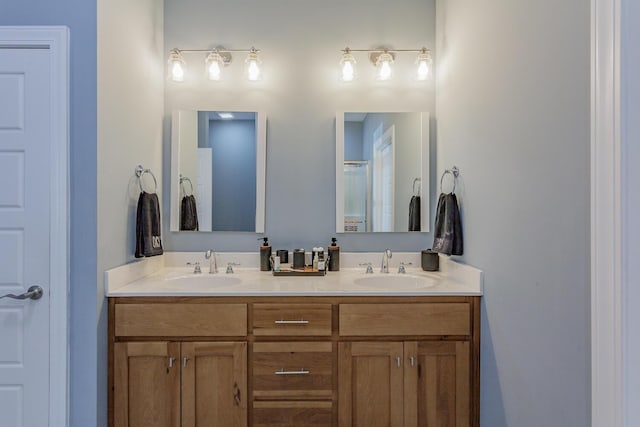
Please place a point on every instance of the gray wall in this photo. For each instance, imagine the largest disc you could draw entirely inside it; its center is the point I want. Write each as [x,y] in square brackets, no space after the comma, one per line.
[513,114]
[301,92]
[130,106]
[80,17]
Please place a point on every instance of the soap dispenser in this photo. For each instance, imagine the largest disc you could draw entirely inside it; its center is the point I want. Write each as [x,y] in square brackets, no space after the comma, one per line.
[265,255]
[334,255]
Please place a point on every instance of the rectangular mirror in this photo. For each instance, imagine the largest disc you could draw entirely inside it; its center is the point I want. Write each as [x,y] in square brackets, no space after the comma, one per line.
[382,172]
[218,165]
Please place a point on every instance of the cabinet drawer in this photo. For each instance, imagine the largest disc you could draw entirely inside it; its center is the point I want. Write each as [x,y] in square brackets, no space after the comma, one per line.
[180,320]
[292,319]
[405,319]
[292,414]
[284,370]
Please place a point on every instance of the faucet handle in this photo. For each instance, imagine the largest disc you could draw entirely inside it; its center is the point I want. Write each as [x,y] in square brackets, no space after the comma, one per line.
[401,268]
[369,267]
[230,266]
[196,268]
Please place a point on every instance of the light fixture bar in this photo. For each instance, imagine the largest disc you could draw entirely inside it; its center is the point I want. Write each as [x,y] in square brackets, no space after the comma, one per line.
[216,49]
[383,58]
[215,60]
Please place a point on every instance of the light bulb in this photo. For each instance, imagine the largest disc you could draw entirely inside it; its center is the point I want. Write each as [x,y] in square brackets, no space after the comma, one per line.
[425,64]
[177,72]
[252,64]
[384,66]
[348,66]
[214,63]
[176,66]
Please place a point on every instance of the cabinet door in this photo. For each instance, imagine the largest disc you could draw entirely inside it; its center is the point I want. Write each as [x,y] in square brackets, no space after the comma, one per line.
[214,384]
[437,384]
[146,384]
[370,384]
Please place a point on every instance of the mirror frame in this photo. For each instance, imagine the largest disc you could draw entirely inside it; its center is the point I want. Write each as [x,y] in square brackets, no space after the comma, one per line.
[261,168]
[424,176]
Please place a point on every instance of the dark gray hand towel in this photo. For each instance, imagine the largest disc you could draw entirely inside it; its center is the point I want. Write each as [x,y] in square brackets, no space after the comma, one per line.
[447,237]
[188,214]
[414,214]
[148,241]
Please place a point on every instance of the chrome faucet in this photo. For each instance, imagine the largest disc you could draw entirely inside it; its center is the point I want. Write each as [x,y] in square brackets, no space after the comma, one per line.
[230,267]
[213,264]
[384,268]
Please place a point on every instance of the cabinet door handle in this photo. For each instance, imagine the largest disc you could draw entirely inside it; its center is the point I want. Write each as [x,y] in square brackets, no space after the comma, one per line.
[171,360]
[398,360]
[185,360]
[412,360]
[236,395]
[300,372]
[291,322]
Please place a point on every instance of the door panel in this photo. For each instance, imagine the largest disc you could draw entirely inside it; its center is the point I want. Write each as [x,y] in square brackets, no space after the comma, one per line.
[146,384]
[214,384]
[438,388]
[370,391]
[25,129]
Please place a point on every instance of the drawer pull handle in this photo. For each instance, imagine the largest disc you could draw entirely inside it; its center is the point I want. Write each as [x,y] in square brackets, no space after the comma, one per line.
[171,360]
[291,322]
[398,360]
[300,372]
[412,360]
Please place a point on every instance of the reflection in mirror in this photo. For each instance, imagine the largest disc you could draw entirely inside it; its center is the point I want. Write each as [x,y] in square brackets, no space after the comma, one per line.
[382,167]
[218,171]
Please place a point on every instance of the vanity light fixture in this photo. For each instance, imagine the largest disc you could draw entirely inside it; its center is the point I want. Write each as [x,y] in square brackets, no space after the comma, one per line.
[176,66]
[382,59]
[252,65]
[425,64]
[225,116]
[215,60]
[348,64]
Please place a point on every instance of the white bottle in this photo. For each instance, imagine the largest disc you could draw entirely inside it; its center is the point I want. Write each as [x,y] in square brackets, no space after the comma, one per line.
[276,263]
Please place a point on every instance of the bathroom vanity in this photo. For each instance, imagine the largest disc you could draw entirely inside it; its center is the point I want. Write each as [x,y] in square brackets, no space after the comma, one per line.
[339,350]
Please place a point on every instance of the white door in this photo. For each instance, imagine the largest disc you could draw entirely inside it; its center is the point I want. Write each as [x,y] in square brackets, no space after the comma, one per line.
[25,191]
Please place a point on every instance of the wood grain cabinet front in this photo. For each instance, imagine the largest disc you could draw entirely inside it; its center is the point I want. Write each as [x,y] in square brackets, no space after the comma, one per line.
[190,384]
[292,319]
[346,361]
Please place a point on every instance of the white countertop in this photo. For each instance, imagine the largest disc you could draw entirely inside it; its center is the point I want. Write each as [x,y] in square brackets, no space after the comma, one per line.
[159,276]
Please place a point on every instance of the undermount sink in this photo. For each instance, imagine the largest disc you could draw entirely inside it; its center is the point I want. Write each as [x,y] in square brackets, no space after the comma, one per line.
[201,281]
[395,281]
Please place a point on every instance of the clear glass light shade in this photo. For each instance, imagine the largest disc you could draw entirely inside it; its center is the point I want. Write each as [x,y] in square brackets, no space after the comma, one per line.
[425,66]
[252,66]
[383,66]
[176,67]
[214,64]
[348,66]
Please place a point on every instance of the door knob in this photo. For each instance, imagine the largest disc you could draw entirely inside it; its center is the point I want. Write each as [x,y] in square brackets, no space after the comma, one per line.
[34,292]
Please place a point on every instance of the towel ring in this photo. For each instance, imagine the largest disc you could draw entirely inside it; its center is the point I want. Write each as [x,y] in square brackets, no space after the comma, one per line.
[141,171]
[454,171]
[417,181]
[182,180]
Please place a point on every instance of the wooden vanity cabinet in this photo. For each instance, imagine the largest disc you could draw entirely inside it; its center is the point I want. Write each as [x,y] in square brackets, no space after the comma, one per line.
[294,361]
[396,382]
[292,365]
[192,374]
